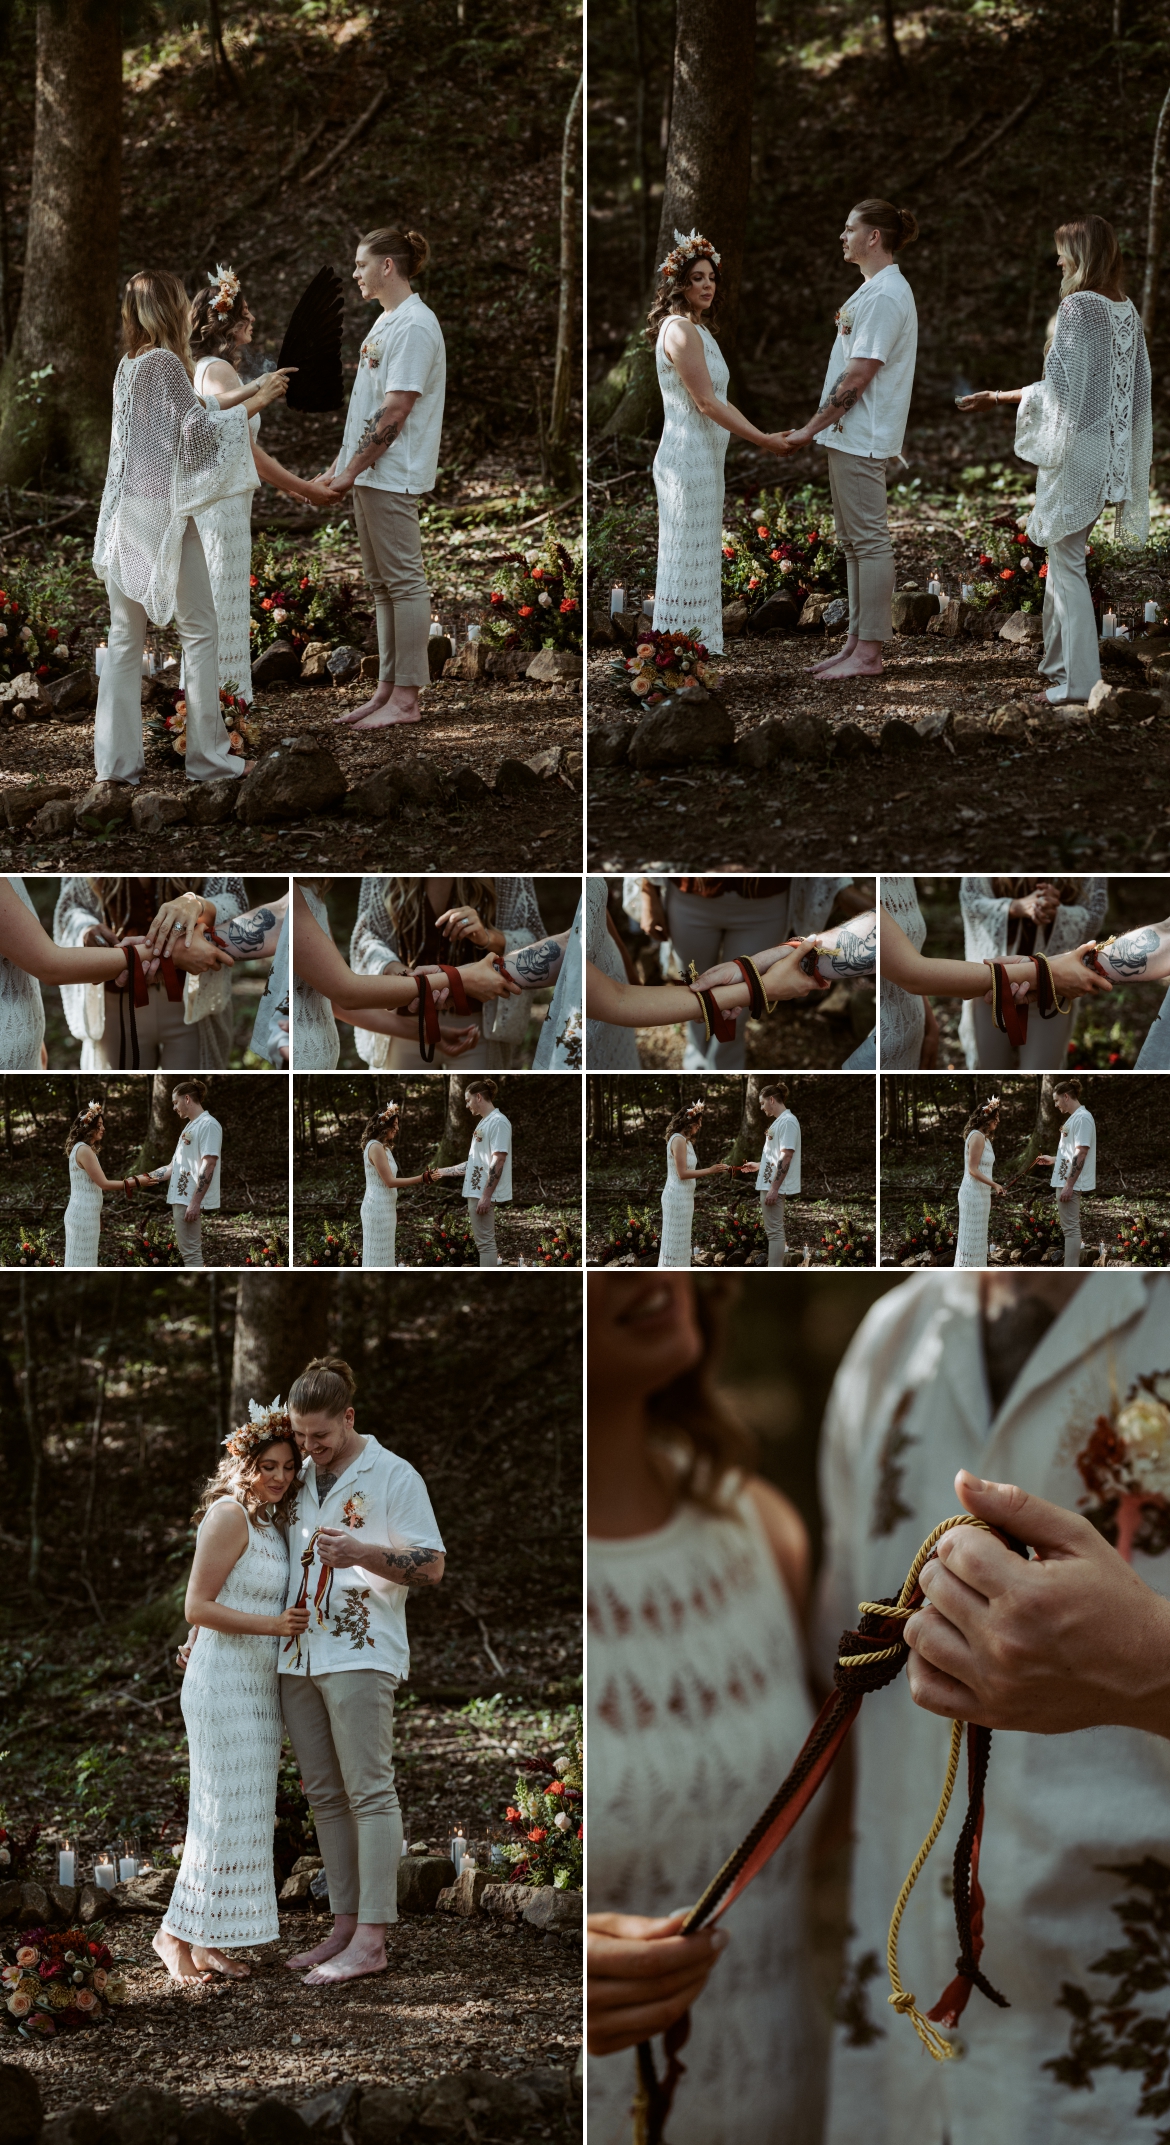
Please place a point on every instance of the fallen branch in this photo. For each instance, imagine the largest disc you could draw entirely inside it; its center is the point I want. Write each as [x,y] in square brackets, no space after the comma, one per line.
[358,128]
[574,499]
[9,536]
[1005,126]
[493,1657]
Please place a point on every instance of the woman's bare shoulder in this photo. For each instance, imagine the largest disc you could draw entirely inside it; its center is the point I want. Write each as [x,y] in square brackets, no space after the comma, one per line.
[787,1535]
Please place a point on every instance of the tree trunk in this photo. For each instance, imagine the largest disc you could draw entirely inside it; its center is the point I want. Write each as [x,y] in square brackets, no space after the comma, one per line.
[33,1433]
[893,49]
[456,1137]
[1045,1133]
[749,1140]
[281,1321]
[708,177]
[640,184]
[158,1144]
[560,459]
[1154,222]
[105,1351]
[217,1394]
[55,384]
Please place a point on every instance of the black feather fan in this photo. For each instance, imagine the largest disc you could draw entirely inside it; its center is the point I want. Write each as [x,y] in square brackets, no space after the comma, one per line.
[312,342]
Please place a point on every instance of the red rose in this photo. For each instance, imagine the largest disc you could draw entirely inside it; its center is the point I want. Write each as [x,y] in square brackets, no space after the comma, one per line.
[568,607]
[253,580]
[495,596]
[1008,574]
[526,610]
[555,1787]
[538,573]
[512,1813]
[775,554]
[813,536]
[728,551]
[753,583]
[763,533]
[1044,573]
[42,670]
[538,1832]
[266,604]
[1021,538]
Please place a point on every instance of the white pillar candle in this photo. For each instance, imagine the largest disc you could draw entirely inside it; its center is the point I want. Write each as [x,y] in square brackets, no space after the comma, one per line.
[458,1849]
[436,630]
[617,601]
[103,1876]
[1109,626]
[99,657]
[473,633]
[66,1863]
[968,590]
[1150,614]
[127,1868]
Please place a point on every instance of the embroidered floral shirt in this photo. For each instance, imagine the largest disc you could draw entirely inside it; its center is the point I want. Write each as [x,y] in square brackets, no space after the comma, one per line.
[403,353]
[911,1404]
[492,1135]
[200,1136]
[360,1619]
[784,1131]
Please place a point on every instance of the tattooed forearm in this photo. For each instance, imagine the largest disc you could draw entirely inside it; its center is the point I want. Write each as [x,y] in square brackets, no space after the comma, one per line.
[856,953]
[783,1166]
[538,964]
[495,1172]
[378,432]
[407,1567]
[246,934]
[1130,955]
[841,396]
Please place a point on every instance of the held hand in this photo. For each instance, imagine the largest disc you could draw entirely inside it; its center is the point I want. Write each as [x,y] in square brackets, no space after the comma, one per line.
[184,1653]
[1070,976]
[462,923]
[643,1975]
[711,978]
[336,1547]
[653,916]
[784,443]
[928,1055]
[482,979]
[290,1623]
[1044,1161]
[1072,1639]
[456,1042]
[340,484]
[175,919]
[97,935]
[317,492]
[998,1189]
[201,957]
[786,978]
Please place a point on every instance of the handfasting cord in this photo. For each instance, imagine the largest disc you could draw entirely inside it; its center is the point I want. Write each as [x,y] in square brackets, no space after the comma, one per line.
[322,1593]
[428,1011]
[868,1659]
[1011,1014]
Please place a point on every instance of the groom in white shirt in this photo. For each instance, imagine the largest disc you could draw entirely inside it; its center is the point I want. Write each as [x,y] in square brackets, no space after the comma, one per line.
[1074,1165]
[778,1176]
[487,1172]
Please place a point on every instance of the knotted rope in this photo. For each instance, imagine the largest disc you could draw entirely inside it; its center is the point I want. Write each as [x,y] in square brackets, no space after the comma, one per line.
[868,1659]
[322,1593]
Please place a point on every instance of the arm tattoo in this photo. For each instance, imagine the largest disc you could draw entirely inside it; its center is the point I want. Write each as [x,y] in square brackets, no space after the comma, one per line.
[495,1172]
[856,953]
[1130,955]
[783,1167]
[246,934]
[538,963]
[378,432]
[161,1176]
[207,1170]
[842,397]
[407,1567]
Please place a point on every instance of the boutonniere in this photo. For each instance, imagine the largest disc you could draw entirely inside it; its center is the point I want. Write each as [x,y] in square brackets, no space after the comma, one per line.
[1125,1467]
[844,320]
[354,1510]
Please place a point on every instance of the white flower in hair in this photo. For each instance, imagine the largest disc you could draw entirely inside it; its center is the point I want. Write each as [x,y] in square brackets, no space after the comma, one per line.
[229,288]
[686,247]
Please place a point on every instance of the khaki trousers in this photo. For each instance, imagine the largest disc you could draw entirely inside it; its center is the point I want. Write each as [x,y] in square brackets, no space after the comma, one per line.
[773,1220]
[1072,656]
[117,733]
[483,1229]
[166,1043]
[342,1730]
[858,485]
[387,527]
[188,1236]
[1069,1211]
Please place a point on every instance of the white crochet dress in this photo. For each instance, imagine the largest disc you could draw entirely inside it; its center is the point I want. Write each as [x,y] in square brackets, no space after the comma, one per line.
[83,1216]
[224,1892]
[607,1048]
[678,1211]
[379,1212]
[698,1707]
[1087,424]
[226,530]
[316,1044]
[901,1016]
[974,1207]
[688,476]
[22,1009]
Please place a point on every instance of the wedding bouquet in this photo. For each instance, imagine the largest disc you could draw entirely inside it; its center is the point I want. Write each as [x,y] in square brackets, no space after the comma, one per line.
[536,599]
[933,1235]
[168,725]
[664,663]
[1030,1237]
[331,1244]
[1143,1242]
[640,1233]
[847,1245]
[56,1981]
[290,602]
[546,1823]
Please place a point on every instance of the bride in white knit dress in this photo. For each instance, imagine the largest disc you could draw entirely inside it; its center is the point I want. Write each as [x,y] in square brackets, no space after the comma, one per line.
[688,467]
[221,329]
[698,1705]
[678,1193]
[225,1896]
[383,1184]
[978,1185]
[87,1182]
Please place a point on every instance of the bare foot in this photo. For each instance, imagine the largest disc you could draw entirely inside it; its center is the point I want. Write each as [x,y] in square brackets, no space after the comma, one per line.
[205,1956]
[830,661]
[854,666]
[379,698]
[176,1957]
[339,1937]
[386,721]
[361,1956]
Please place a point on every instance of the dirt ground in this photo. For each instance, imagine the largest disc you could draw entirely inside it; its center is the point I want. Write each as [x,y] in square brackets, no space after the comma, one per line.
[477,725]
[1101,1219]
[520,1226]
[1096,800]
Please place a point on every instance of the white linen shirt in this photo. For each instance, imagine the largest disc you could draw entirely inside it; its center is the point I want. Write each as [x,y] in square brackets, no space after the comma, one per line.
[403,353]
[784,1131]
[883,323]
[1078,1130]
[492,1135]
[910,1405]
[203,1135]
[384,1497]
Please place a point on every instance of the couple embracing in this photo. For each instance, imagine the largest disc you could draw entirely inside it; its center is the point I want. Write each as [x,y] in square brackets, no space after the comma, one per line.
[298,1593]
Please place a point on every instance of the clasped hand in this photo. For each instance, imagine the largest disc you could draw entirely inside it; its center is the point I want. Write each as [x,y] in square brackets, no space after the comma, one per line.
[336,1548]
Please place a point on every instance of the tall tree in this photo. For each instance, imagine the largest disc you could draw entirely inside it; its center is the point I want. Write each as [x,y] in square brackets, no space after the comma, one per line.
[456,1137]
[1045,1133]
[749,1140]
[55,383]
[32,1430]
[559,454]
[708,178]
[281,1321]
[1154,219]
[162,1127]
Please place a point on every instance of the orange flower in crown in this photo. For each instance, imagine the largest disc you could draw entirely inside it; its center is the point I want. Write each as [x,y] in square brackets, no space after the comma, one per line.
[688,249]
[263,1424]
[228,290]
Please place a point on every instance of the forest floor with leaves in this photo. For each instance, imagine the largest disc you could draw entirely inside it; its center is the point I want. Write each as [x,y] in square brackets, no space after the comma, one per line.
[522,1226]
[612,1191]
[1105,1218]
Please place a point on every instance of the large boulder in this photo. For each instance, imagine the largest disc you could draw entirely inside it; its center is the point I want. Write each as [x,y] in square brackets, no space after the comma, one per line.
[812,617]
[1123,655]
[274,2122]
[206,2124]
[776,614]
[511,663]
[553,666]
[735,618]
[107,804]
[609,743]
[420,1880]
[421,782]
[501,2100]
[804,737]
[464,1896]
[279,665]
[851,742]
[898,737]
[439,652]
[93,1904]
[470,663]
[385,2116]
[21,805]
[314,662]
[296,778]
[24,687]
[154,810]
[69,694]
[210,803]
[63,1898]
[505,1901]
[468,786]
[145,2116]
[549,1908]
[9,1900]
[759,747]
[513,776]
[344,664]
[148,1894]
[332,2115]
[913,610]
[685,727]
[35,1907]
[22,2111]
[1021,627]
[952,620]
[377,797]
[1128,702]
[53,819]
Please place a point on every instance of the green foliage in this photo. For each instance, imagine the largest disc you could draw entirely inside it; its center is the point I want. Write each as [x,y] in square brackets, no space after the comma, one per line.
[291,598]
[329,1243]
[738,1236]
[546,1819]
[1028,1238]
[560,1246]
[535,599]
[447,1243]
[1144,1242]
[934,1234]
[26,1247]
[40,612]
[784,544]
[844,1244]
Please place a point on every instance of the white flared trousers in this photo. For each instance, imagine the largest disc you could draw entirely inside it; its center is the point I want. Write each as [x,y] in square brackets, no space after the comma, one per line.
[1072,654]
[117,737]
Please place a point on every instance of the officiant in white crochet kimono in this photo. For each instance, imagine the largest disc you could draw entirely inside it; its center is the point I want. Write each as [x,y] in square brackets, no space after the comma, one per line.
[997,921]
[397,925]
[1009,1376]
[170,458]
[195,1036]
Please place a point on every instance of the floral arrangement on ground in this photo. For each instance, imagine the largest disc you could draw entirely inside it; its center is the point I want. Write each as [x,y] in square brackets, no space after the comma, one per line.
[446,1243]
[546,1822]
[167,725]
[929,1242]
[38,633]
[265,1251]
[664,663]
[292,600]
[1143,1242]
[27,1247]
[783,546]
[638,1236]
[59,1980]
[535,600]
[328,1243]
[147,1247]
[1029,1239]
[562,1245]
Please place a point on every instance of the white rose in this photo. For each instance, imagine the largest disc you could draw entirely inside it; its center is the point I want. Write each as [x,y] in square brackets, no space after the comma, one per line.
[3,633]
[26,633]
[1144,1429]
[545,598]
[563,1822]
[279,617]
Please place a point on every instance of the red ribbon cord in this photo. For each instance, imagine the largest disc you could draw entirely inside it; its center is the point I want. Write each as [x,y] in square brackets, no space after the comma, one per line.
[428,1011]
[1010,1016]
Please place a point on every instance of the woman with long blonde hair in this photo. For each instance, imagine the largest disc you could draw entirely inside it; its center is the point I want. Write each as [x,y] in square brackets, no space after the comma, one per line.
[224,1897]
[453,921]
[170,457]
[1087,427]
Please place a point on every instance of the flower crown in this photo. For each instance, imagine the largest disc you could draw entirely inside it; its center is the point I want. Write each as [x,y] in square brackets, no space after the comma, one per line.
[263,1424]
[688,249]
[94,1110]
[229,289]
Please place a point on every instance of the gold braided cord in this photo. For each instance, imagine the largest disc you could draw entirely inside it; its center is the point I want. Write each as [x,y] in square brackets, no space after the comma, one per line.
[902,1606]
[902,1999]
